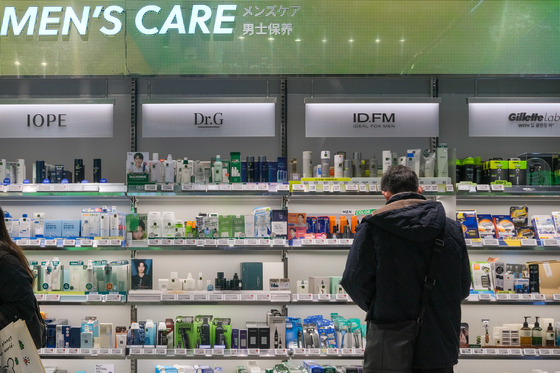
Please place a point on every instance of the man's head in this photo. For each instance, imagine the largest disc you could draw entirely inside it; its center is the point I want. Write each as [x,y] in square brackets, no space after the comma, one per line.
[399,179]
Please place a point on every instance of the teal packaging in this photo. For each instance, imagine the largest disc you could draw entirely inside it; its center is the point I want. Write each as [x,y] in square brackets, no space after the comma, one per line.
[335,287]
[53,228]
[252,275]
[70,228]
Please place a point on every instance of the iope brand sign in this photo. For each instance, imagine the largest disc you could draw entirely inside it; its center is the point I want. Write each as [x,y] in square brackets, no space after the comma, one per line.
[367,119]
[209,119]
[489,117]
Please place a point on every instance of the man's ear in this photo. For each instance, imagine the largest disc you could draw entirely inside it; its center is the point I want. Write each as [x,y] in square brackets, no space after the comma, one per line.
[386,194]
[420,189]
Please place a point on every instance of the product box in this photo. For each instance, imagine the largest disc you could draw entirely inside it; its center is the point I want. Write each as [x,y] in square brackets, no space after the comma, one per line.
[279,223]
[497,170]
[90,222]
[277,326]
[544,227]
[225,223]
[249,226]
[238,226]
[263,336]
[53,228]
[211,226]
[541,168]
[517,172]
[486,226]
[556,221]
[136,227]
[468,221]
[335,287]
[252,335]
[70,228]
[271,270]
[319,285]
[481,276]
[252,275]
[504,226]
[548,277]
[262,221]
[519,215]
[235,166]
[297,225]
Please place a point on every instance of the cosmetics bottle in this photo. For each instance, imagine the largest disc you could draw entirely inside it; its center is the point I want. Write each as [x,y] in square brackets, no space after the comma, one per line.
[263,164]
[325,163]
[537,335]
[217,170]
[169,326]
[39,172]
[429,162]
[189,283]
[135,334]
[169,169]
[155,168]
[205,333]
[114,222]
[356,164]
[97,170]
[150,333]
[219,337]
[199,283]
[372,166]
[20,171]
[549,336]
[293,174]
[307,163]
[525,334]
[282,169]
[79,172]
[209,286]
[338,165]
[104,222]
[251,169]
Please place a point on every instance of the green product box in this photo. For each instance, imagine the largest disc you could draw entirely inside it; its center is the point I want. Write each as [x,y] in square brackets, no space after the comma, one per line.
[225,226]
[184,334]
[252,275]
[498,170]
[335,286]
[137,179]
[235,167]
[225,324]
[517,172]
[238,226]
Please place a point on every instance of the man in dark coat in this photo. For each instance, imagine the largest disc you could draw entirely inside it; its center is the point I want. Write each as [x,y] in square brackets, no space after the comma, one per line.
[388,263]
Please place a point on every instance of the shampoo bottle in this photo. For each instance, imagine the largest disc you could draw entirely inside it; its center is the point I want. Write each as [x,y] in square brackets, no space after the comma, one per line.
[104,222]
[189,283]
[169,169]
[149,337]
[550,336]
[537,336]
[525,334]
[162,334]
[205,333]
[217,170]
[199,283]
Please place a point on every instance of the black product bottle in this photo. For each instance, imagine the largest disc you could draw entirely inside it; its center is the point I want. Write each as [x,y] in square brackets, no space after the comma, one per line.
[220,338]
[78,170]
[250,169]
[96,170]
[550,336]
[276,342]
[39,172]
[205,333]
[536,339]
[263,164]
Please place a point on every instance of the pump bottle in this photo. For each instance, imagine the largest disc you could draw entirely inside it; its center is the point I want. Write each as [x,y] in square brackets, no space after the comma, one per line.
[217,170]
[550,336]
[205,332]
[537,335]
[525,334]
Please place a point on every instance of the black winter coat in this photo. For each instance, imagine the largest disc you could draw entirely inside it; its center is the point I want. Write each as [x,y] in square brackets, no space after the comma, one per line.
[387,265]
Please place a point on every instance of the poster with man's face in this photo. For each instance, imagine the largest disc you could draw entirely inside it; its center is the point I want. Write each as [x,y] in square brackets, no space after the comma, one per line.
[137,162]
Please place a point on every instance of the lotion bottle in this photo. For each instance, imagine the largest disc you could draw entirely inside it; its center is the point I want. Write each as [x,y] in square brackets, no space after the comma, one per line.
[217,170]
[189,283]
[550,336]
[537,335]
[525,334]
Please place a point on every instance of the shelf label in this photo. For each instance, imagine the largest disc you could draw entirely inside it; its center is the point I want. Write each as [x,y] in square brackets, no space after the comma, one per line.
[484,297]
[347,351]
[251,242]
[351,187]
[237,187]
[490,242]
[264,242]
[60,351]
[529,242]
[283,187]
[343,297]
[94,298]
[86,242]
[40,297]
[167,187]
[74,351]
[363,188]
[113,297]
[491,351]
[200,297]
[179,242]
[373,188]
[149,351]
[263,297]
[346,241]
[502,296]
[161,350]
[135,351]
[250,186]
[280,352]
[483,187]
[232,297]
[541,297]
[314,351]
[248,297]
[184,297]
[190,242]
[103,242]
[168,297]
[497,187]
[199,243]
[225,187]
[200,187]
[199,352]
[210,242]
[233,352]
[516,351]
[550,242]
[298,188]
[466,351]
[328,187]
[216,297]
[331,241]
[307,241]
[312,187]
[529,352]
[262,187]
[324,296]
[545,352]
[150,187]
[302,297]
[449,187]
[35,242]
[253,352]
[556,296]
[299,351]
[50,243]
[15,188]
[167,242]
[52,298]
[332,351]
[279,242]
[503,351]
[222,242]
[319,241]
[23,242]
[431,188]
[180,351]
[526,296]
[44,188]
[187,187]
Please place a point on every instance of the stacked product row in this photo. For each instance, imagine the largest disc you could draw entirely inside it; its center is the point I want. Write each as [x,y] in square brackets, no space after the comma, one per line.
[507,226]
[307,366]
[16,172]
[525,169]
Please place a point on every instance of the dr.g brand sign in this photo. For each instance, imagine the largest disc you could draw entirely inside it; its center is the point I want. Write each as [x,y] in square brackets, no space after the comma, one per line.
[514,117]
[382,118]
[56,118]
[239,117]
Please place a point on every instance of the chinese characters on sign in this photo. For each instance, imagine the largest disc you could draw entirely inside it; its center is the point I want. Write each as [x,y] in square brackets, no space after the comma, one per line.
[271,28]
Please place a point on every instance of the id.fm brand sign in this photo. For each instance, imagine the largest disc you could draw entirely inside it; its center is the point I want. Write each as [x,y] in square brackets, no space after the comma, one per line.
[385,118]
[215,118]
[518,117]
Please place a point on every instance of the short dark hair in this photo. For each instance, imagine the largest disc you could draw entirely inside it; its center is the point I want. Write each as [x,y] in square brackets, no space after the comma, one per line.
[398,179]
[139,155]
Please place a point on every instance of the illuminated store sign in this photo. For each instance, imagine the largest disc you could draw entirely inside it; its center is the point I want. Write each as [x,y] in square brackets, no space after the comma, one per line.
[387,118]
[514,117]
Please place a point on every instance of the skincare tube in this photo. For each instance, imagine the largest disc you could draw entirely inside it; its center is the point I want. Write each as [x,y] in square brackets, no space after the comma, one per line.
[338,165]
[307,164]
[429,162]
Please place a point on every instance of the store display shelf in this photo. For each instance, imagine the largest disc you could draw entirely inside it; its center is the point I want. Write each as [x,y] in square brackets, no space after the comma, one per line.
[510,353]
[213,190]
[70,244]
[79,298]
[82,353]
[63,191]
[503,299]
[243,354]
[228,297]
[548,245]
[209,244]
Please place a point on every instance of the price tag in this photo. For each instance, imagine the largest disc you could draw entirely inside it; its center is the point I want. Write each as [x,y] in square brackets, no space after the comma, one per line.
[161,350]
[332,351]
[167,242]
[319,241]
[248,297]
[529,242]
[184,297]
[263,187]
[199,243]
[237,187]
[431,188]
[516,352]
[23,242]
[217,352]
[312,188]
[324,296]
[490,242]
[329,187]
[332,241]
[103,242]
[374,188]
[113,297]
[502,296]
[250,186]
[298,187]
[279,242]
[226,187]
[44,188]
[40,297]
[545,352]
[168,297]
[50,243]
[306,241]
[94,298]
[86,242]
[498,188]
[60,188]
[491,351]
[60,351]
[529,352]
[280,352]
[351,187]
[149,351]
[190,242]
[283,187]
[15,188]
[74,351]
[363,188]
[263,297]
[346,241]
[526,296]
[464,187]
[233,352]
[199,352]
[167,187]
[556,296]
[212,187]
[200,187]
[503,351]
[556,352]
[187,187]
[485,297]
[200,297]
[135,351]
[314,351]
[48,351]
[466,351]
[253,352]
[478,351]
[150,187]
[550,242]
[483,187]
[347,351]
[449,187]
[210,242]
[222,242]
[343,297]
[180,351]
[35,242]
[52,298]
[264,242]
[251,242]
[216,297]
[541,297]
[232,297]
[179,242]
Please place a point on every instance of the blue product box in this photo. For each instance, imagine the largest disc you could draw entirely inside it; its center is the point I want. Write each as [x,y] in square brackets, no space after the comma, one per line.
[70,228]
[53,228]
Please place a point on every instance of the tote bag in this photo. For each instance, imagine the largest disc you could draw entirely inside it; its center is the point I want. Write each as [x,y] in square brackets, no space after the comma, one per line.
[17,350]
